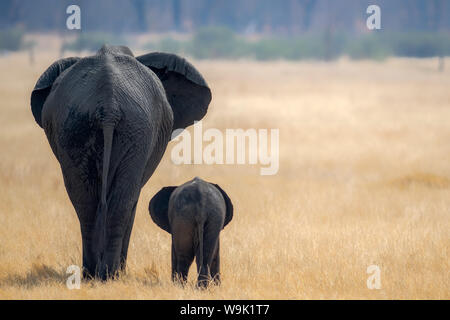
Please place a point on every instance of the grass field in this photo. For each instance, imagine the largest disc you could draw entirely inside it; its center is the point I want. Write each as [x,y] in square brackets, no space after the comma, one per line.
[364,180]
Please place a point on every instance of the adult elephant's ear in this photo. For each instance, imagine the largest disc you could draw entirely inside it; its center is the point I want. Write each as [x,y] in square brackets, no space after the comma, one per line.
[186,90]
[159,206]
[44,85]
[228,203]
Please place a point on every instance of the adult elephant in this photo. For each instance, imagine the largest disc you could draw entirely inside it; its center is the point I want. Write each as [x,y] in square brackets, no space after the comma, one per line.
[108,119]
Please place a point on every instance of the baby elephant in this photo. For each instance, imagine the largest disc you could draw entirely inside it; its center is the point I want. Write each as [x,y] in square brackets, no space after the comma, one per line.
[194,213]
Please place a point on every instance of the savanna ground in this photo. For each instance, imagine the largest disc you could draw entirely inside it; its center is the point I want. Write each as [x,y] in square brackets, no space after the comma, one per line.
[364,180]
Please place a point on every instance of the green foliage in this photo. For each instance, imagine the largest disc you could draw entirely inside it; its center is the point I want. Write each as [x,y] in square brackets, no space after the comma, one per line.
[416,44]
[216,42]
[11,39]
[92,41]
[420,44]
[220,42]
[171,45]
[167,44]
[368,47]
[207,43]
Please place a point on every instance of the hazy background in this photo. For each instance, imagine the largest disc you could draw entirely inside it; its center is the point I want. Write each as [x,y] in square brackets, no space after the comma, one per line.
[259,29]
[288,17]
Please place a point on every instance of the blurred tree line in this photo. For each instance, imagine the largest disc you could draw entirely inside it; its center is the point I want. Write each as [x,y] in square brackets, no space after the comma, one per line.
[223,43]
[285,17]
[258,29]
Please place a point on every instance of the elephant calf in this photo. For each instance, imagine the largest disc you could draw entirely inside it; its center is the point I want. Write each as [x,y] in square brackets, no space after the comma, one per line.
[194,213]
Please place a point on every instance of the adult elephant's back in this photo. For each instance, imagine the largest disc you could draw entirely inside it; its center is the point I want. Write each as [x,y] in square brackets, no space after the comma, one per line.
[108,121]
[106,91]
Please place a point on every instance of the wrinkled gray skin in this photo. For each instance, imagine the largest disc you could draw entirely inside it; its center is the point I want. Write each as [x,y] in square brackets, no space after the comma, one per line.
[194,214]
[108,119]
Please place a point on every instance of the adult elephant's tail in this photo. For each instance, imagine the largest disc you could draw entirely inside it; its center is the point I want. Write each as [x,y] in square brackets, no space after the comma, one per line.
[102,208]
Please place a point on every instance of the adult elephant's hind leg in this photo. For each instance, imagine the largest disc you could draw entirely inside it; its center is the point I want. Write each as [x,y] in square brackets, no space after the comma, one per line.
[122,197]
[86,215]
[89,257]
[118,231]
[126,241]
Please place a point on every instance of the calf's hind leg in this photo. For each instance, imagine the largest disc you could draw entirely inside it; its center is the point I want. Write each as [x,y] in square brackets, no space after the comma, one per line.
[209,268]
[182,250]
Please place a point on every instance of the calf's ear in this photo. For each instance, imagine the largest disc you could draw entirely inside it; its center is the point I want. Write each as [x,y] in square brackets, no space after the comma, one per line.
[229,205]
[158,208]
[44,85]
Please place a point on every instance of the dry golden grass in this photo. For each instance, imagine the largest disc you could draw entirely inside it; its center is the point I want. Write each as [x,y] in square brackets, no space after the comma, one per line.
[364,179]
